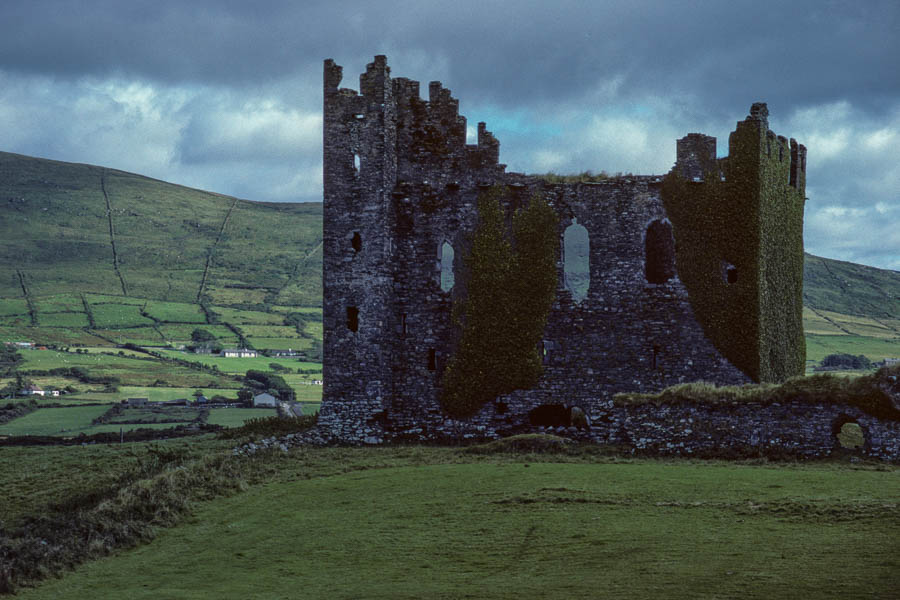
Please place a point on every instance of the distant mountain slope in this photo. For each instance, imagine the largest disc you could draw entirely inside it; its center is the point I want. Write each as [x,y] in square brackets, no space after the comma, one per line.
[850,288]
[81,228]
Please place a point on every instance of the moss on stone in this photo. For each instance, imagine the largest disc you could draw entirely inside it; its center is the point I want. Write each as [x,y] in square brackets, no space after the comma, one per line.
[510,285]
[739,247]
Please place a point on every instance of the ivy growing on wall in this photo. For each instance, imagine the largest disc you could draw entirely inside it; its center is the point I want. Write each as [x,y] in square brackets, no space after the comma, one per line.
[739,249]
[510,282]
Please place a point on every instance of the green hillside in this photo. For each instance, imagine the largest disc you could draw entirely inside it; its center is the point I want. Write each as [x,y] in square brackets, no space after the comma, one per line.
[81,228]
[99,256]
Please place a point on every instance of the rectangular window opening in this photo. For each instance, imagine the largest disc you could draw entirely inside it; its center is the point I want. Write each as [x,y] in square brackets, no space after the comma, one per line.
[432,359]
[353,318]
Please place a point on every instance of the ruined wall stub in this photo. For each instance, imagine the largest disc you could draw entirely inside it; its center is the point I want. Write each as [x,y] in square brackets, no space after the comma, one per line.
[400,183]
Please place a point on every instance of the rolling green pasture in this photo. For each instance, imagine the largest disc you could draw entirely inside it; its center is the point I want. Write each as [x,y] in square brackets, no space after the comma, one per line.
[142,336]
[14,321]
[13,306]
[182,333]
[235,417]
[129,369]
[229,296]
[66,421]
[310,310]
[63,319]
[111,299]
[59,303]
[269,343]
[239,365]
[863,326]
[117,427]
[307,394]
[315,329]
[115,316]
[175,312]
[163,394]
[814,323]
[182,414]
[438,523]
[269,331]
[876,349]
[48,335]
[248,317]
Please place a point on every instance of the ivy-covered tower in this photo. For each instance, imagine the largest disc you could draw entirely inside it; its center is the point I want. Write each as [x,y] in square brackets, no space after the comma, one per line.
[738,225]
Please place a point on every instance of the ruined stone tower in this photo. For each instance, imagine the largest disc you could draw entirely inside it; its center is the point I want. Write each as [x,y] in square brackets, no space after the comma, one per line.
[632,313]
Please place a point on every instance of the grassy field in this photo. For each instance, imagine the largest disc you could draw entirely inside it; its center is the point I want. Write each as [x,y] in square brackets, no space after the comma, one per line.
[235,417]
[115,316]
[241,365]
[441,523]
[133,370]
[66,421]
[876,349]
[175,312]
[248,317]
[13,306]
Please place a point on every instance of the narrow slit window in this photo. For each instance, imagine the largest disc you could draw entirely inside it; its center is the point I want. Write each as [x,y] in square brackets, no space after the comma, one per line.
[577,261]
[353,318]
[659,252]
[356,163]
[448,279]
[432,359]
[729,273]
[356,242]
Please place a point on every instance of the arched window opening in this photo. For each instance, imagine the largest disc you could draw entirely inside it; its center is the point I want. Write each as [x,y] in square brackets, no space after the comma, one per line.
[447,276]
[353,318]
[849,435]
[659,248]
[356,242]
[729,273]
[577,260]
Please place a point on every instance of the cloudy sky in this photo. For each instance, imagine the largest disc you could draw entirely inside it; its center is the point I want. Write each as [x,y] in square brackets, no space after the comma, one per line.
[226,95]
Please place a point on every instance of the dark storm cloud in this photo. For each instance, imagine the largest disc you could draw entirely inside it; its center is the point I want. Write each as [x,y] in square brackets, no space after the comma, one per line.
[227,94]
[510,53]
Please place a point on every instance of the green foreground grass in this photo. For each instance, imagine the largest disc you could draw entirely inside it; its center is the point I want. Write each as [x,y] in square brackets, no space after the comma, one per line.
[414,522]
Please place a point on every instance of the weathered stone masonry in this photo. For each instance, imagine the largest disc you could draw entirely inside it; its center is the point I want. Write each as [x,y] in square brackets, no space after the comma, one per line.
[401,188]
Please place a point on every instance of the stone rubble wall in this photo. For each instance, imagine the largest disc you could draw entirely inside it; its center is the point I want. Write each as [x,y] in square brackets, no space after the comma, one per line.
[400,182]
[795,430]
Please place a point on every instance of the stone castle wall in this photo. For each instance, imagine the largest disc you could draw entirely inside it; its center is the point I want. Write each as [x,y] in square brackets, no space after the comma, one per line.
[401,188]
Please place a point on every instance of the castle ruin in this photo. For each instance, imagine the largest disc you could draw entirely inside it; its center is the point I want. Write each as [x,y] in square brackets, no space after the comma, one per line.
[695,275]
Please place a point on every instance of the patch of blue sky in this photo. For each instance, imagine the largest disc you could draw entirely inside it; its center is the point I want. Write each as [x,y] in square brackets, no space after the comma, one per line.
[516,122]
